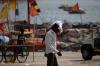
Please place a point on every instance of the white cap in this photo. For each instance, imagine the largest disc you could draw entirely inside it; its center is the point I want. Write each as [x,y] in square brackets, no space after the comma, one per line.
[60,23]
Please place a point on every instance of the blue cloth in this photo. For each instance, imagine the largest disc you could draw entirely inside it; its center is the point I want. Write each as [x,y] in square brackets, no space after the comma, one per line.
[4,39]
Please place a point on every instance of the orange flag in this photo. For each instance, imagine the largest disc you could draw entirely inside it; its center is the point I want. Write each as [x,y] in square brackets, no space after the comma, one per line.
[75,8]
[34,10]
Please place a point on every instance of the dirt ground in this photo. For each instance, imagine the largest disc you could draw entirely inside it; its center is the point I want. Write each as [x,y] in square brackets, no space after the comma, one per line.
[67,59]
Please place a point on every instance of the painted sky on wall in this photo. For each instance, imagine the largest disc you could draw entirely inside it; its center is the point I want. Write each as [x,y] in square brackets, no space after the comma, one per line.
[51,12]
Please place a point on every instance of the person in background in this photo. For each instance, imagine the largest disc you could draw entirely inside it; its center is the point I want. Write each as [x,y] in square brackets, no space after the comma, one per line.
[4,34]
[50,44]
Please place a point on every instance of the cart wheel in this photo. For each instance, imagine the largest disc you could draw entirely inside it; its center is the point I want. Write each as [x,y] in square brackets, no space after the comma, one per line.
[9,55]
[22,54]
[86,51]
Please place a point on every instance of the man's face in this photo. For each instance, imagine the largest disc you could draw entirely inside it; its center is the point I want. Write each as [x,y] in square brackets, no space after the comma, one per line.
[59,32]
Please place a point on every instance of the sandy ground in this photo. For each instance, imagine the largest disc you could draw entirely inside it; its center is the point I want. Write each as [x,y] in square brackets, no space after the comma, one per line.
[68,59]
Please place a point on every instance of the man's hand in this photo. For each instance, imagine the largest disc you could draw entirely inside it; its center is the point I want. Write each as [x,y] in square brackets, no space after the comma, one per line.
[45,55]
[59,54]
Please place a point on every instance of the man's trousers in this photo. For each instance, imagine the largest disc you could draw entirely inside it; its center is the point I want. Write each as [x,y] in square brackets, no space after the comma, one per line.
[51,60]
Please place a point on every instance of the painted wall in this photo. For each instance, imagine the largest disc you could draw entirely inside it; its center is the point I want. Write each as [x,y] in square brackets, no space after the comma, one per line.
[50,11]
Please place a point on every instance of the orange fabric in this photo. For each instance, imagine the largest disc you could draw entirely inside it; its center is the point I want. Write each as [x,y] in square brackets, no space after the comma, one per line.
[75,8]
[33,11]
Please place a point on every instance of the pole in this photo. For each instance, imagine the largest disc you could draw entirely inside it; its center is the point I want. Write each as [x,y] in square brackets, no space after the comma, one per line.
[81,18]
[16,7]
[8,15]
[28,12]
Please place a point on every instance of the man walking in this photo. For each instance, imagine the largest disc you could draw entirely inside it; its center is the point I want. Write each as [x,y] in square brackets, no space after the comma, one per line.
[50,43]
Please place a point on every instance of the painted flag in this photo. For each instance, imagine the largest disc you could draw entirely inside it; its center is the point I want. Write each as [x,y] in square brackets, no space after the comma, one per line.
[12,4]
[34,9]
[6,4]
[8,9]
[75,8]
[3,12]
[12,9]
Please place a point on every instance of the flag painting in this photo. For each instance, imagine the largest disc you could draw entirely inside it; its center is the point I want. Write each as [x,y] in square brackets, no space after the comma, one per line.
[6,6]
[12,4]
[3,12]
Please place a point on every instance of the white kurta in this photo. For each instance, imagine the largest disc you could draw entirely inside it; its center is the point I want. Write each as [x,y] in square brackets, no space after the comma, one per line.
[50,42]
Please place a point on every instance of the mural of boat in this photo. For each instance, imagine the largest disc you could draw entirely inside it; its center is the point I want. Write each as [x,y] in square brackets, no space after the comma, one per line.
[65,7]
[75,9]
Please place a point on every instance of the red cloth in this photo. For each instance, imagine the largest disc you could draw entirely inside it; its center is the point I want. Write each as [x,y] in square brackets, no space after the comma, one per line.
[2,24]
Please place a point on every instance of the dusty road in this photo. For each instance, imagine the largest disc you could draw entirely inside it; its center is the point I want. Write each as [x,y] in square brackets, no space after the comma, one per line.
[68,59]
